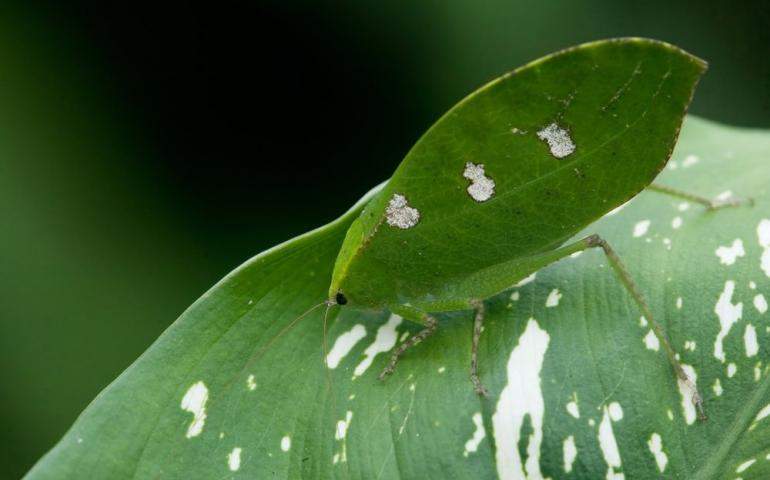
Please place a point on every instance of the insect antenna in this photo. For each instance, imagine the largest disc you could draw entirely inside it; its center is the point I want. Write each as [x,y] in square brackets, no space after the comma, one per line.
[282,332]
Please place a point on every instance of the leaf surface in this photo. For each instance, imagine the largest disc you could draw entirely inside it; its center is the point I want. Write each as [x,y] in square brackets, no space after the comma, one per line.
[578,388]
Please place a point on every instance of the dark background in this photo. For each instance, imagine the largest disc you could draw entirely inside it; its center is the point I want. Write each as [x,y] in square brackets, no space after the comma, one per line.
[146,150]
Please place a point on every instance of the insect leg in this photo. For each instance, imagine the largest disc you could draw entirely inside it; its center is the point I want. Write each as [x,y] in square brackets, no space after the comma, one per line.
[430,323]
[477,326]
[708,203]
[660,333]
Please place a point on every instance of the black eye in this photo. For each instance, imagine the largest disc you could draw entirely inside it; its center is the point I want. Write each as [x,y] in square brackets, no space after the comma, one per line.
[340,299]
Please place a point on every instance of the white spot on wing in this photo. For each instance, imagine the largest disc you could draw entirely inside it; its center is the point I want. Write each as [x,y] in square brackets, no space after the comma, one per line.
[750,340]
[194,401]
[728,255]
[399,214]
[522,396]
[558,140]
[728,314]
[641,228]
[472,445]
[655,443]
[570,453]
[553,298]
[384,341]
[344,344]
[482,187]
[234,459]
[676,222]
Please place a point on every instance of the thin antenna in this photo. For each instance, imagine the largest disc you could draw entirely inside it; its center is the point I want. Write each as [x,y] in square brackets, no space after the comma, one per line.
[270,343]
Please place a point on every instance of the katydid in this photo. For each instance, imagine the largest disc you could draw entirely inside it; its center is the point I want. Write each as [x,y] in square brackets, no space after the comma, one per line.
[497,187]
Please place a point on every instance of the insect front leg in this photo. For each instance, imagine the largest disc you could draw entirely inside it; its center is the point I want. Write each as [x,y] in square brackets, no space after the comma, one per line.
[706,202]
[415,315]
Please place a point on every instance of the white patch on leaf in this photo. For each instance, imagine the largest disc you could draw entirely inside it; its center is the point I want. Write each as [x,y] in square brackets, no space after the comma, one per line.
[194,401]
[731,370]
[676,222]
[609,447]
[760,303]
[641,228]
[651,341]
[286,443]
[383,341]
[572,406]
[570,453]
[234,459]
[745,465]
[655,443]
[689,161]
[526,280]
[728,255]
[724,195]
[559,141]
[482,187]
[344,344]
[616,411]
[472,445]
[717,388]
[251,383]
[763,235]
[553,298]
[688,392]
[522,396]
[728,315]
[750,340]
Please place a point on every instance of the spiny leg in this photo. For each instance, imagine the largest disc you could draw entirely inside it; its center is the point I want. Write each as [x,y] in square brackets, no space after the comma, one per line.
[430,327]
[708,203]
[660,333]
[478,323]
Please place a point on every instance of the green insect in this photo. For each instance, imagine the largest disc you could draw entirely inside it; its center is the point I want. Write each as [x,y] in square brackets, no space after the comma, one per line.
[494,190]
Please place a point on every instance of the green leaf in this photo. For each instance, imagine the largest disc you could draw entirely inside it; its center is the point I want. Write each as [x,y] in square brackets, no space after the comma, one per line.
[565,357]
[550,148]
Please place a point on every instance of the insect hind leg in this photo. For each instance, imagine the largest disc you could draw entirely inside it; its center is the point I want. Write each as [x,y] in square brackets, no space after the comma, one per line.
[595,241]
[431,324]
[710,204]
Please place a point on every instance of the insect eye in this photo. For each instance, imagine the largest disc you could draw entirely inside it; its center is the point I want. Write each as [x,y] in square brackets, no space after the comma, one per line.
[340,299]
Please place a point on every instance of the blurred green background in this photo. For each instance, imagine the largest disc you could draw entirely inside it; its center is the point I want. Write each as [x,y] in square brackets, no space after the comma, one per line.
[145,151]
